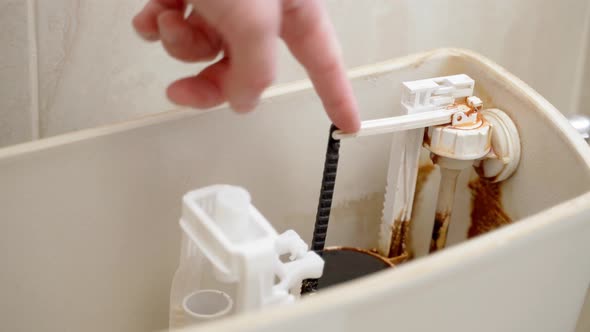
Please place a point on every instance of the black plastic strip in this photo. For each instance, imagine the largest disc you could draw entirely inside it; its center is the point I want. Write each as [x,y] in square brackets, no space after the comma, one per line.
[325,204]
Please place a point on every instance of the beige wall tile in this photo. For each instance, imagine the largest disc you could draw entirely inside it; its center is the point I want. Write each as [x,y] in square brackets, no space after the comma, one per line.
[94,70]
[15,112]
[584,104]
[584,108]
[585,100]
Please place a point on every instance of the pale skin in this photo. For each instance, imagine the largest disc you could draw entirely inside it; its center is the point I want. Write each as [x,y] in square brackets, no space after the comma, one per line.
[246,32]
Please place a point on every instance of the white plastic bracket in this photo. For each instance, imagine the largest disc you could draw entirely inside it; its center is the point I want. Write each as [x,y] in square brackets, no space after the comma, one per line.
[243,247]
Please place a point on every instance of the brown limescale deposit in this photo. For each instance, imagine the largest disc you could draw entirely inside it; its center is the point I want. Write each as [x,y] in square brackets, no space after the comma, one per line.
[400,249]
[487,213]
[439,231]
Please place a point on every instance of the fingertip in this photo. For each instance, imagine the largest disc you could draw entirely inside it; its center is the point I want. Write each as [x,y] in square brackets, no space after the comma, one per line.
[346,119]
[148,37]
[350,126]
[144,23]
[172,27]
[195,92]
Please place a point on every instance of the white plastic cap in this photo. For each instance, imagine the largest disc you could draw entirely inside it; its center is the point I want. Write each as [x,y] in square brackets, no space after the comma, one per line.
[459,143]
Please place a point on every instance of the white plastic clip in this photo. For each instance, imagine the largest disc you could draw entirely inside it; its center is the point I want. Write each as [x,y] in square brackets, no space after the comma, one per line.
[474,102]
[244,248]
[435,93]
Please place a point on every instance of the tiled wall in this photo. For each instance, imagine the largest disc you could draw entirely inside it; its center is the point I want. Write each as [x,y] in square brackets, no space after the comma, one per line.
[15,78]
[584,104]
[584,108]
[90,69]
[93,68]
[585,98]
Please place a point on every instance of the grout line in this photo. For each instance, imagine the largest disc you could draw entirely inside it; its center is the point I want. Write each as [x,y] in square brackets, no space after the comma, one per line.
[583,62]
[33,67]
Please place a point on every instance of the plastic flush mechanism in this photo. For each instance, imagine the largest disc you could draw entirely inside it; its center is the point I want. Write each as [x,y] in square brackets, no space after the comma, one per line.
[467,137]
[230,259]
[444,116]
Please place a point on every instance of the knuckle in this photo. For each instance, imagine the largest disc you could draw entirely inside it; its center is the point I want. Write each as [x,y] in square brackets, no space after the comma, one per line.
[240,21]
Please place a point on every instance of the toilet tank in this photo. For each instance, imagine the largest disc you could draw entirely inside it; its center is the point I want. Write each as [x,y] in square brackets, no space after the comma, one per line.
[89,234]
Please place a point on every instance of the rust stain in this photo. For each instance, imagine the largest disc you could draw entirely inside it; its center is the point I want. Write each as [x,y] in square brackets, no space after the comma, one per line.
[400,249]
[400,259]
[434,158]
[439,231]
[471,111]
[487,212]
[424,172]
[399,233]
[426,140]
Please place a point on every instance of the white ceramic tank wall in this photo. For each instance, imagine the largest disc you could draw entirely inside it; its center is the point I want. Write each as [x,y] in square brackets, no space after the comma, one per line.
[481,288]
[90,69]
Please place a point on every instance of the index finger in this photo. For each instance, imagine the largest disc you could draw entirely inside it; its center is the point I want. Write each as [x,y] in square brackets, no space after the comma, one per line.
[311,38]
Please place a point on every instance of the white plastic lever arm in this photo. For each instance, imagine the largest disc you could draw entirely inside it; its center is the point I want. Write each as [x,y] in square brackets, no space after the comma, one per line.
[400,123]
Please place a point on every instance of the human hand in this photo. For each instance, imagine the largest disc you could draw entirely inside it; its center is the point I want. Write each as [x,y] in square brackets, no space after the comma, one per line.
[247,32]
